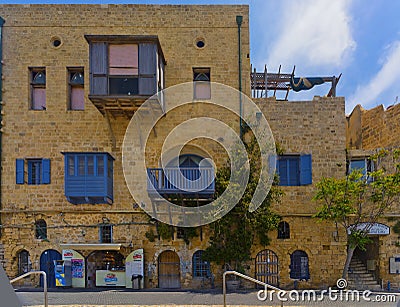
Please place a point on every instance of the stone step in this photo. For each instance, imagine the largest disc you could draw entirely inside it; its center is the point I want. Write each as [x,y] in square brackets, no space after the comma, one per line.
[363,279]
[361,276]
[366,282]
[358,265]
[365,287]
[359,272]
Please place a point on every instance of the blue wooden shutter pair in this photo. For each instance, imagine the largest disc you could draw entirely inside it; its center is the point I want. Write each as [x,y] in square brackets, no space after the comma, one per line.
[294,170]
[20,176]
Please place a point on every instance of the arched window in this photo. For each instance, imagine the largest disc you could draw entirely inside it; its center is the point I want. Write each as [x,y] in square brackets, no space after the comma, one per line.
[283,230]
[41,229]
[201,268]
[299,265]
[24,262]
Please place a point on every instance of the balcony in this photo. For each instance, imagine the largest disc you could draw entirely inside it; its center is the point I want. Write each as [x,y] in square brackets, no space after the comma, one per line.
[183,181]
[125,70]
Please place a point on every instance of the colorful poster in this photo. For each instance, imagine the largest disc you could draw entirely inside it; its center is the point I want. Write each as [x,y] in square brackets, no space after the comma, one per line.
[77,268]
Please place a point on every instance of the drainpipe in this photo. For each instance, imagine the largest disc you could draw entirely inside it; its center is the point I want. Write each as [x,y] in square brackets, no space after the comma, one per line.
[1,109]
[239,20]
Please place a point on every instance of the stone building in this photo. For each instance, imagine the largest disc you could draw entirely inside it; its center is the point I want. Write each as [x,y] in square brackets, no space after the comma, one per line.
[68,95]
[369,131]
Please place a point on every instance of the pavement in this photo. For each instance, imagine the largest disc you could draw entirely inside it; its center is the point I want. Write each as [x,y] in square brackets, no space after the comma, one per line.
[192,298]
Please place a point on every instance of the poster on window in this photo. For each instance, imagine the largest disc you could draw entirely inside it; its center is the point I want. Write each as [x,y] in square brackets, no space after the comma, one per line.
[77,268]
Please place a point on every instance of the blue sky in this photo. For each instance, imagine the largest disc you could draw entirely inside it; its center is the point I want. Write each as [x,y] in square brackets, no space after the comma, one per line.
[358,38]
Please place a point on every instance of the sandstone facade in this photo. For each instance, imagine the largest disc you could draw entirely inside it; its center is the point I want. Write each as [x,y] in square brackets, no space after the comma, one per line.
[314,127]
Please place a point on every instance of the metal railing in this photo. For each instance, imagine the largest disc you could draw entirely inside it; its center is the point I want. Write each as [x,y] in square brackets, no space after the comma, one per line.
[44,283]
[266,286]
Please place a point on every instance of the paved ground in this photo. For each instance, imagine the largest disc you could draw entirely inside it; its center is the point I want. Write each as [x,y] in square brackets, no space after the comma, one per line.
[125,298]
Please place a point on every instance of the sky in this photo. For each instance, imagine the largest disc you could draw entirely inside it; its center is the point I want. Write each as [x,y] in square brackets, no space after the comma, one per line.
[358,38]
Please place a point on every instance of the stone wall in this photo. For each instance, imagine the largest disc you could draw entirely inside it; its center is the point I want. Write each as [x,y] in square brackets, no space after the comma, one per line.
[374,128]
[316,127]
[27,42]
[367,131]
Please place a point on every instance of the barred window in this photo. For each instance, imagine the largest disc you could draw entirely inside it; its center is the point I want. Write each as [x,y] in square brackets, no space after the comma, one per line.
[201,268]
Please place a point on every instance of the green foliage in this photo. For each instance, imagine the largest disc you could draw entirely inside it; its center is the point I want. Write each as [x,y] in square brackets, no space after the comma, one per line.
[165,231]
[396,227]
[357,201]
[150,235]
[358,238]
[233,235]
[188,233]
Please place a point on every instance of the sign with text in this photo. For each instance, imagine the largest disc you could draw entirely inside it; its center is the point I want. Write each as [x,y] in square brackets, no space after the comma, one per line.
[373,229]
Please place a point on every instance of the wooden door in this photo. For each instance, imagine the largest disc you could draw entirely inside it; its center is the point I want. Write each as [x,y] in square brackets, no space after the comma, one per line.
[267,267]
[169,270]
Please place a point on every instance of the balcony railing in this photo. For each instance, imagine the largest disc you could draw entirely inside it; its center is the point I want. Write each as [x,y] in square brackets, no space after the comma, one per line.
[188,181]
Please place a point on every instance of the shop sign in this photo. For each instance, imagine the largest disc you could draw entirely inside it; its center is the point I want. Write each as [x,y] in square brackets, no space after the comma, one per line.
[375,229]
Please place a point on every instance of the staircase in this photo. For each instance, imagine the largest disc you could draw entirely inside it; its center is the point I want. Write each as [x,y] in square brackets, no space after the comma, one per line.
[359,277]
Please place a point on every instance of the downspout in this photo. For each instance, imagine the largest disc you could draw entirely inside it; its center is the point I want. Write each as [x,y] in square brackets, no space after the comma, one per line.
[1,111]
[239,20]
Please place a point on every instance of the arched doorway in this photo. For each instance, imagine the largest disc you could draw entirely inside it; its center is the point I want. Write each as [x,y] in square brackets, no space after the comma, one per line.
[169,276]
[267,267]
[299,265]
[102,260]
[47,265]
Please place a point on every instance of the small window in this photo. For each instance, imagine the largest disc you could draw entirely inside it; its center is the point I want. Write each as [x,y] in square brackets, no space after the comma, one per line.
[283,230]
[38,171]
[180,233]
[105,232]
[294,170]
[201,83]
[38,88]
[201,268]
[24,262]
[365,165]
[299,265]
[76,89]
[41,230]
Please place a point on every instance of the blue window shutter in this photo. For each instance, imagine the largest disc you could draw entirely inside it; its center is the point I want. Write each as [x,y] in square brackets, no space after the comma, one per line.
[46,171]
[305,169]
[283,171]
[293,171]
[19,171]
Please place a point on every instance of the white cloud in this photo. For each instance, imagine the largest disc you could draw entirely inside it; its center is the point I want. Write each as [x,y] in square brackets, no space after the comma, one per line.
[387,76]
[312,33]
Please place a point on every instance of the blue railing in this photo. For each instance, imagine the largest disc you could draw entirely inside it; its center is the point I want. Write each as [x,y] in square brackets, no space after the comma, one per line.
[181,180]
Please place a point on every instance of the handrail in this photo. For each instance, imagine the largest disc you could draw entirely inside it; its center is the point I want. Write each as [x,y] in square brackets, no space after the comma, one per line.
[44,283]
[245,277]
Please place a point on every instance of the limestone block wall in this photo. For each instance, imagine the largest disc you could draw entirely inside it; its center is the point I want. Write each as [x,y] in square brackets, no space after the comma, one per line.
[314,127]
[27,42]
[374,128]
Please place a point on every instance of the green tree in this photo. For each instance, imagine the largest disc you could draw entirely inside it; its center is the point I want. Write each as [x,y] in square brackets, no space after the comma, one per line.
[357,201]
[233,235]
